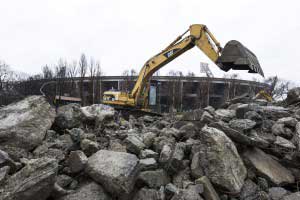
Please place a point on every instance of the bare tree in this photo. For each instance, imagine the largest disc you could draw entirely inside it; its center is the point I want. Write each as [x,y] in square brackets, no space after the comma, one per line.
[133,72]
[4,73]
[278,88]
[72,72]
[190,74]
[82,72]
[92,70]
[60,74]
[126,79]
[47,72]
[232,84]
[99,74]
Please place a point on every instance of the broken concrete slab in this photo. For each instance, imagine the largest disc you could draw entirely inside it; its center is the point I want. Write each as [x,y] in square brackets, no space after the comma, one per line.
[276,193]
[284,143]
[24,124]
[89,147]
[134,144]
[4,174]
[154,179]
[293,96]
[269,168]
[288,121]
[97,113]
[209,192]
[77,161]
[34,181]
[88,191]
[225,115]
[117,179]
[147,194]
[148,164]
[148,153]
[68,116]
[196,169]
[242,124]
[294,196]
[218,157]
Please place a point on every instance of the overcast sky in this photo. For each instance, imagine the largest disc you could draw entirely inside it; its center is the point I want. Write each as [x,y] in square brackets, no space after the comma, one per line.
[123,34]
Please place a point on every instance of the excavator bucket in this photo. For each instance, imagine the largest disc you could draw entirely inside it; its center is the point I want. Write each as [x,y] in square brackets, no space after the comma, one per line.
[236,56]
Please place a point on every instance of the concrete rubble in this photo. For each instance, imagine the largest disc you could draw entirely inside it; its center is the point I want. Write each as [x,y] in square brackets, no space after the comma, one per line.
[246,150]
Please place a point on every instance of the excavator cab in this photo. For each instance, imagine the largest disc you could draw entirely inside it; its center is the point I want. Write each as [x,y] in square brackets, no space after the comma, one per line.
[236,56]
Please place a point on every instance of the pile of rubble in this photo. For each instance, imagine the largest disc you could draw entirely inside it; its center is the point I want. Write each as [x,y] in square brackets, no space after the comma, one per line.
[246,151]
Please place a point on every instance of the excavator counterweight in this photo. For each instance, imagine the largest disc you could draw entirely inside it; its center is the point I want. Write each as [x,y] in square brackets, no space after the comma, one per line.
[236,56]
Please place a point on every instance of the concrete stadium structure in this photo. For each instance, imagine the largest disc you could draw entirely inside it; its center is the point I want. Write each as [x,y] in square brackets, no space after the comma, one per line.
[167,92]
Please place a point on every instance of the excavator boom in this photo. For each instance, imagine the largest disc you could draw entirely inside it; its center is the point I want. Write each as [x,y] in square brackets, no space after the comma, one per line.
[233,56]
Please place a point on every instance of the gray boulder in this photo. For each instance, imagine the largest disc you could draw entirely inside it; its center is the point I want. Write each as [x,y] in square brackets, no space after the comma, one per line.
[24,124]
[271,112]
[194,115]
[207,117]
[147,194]
[64,180]
[242,124]
[5,160]
[274,112]
[294,196]
[288,121]
[182,178]
[89,147]
[115,145]
[148,164]
[209,191]
[284,143]
[148,153]
[238,136]
[278,129]
[276,193]
[34,181]
[134,144]
[44,151]
[293,96]
[88,191]
[77,161]
[4,174]
[165,154]
[187,194]
[176,160]
[116,171]
[296,137]
[250,191]
[69,116]
[188,131]
[171,190]
[154,179]
[196,169]
[225,115]
[160,141]
[98,113]
[267,167]
[148,139]
[218,157]
[254,116]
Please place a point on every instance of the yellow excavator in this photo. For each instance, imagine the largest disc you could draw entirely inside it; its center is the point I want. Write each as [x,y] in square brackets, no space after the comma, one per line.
[233,56]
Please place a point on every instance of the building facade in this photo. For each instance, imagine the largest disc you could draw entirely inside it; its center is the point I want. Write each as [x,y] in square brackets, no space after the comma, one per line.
[167,93]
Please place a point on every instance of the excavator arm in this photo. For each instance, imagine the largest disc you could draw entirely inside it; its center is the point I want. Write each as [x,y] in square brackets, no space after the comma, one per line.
[234,56]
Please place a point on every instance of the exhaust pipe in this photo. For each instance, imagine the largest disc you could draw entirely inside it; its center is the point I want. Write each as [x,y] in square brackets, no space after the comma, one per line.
[236,56]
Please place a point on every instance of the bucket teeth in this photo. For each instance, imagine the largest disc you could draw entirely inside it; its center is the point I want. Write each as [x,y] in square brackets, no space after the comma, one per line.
[236,56]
